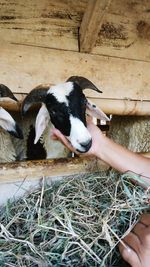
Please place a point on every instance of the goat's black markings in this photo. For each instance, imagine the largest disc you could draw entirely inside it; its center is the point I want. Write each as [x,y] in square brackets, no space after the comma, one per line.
[34,151]
[59,114]
[77,103]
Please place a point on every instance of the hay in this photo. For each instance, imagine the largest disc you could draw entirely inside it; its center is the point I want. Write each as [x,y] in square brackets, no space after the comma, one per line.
[74,222]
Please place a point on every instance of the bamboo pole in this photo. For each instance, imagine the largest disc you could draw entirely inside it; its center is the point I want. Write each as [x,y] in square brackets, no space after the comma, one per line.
[52,168]
[123,106]
[109,106]
[31,170]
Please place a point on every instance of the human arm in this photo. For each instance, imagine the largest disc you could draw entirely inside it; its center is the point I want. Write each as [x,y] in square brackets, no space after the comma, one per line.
[112,153]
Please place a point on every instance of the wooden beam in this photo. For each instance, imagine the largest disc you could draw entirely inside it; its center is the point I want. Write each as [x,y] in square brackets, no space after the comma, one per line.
[124,32]
[31,170]
[24,67]
[91,23]
[123,106]
[109,106]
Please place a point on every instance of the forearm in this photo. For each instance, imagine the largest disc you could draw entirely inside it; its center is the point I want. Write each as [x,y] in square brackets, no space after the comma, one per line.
[122,159]
[115,155]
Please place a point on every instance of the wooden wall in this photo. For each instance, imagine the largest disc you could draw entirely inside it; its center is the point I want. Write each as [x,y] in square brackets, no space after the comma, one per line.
[39,43]
[125,29]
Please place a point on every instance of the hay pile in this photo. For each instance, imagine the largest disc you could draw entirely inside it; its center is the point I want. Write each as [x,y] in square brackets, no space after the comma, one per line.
[74,222]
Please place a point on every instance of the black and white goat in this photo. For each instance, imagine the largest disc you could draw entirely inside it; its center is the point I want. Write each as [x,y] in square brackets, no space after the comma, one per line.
[8,126]
[64,106]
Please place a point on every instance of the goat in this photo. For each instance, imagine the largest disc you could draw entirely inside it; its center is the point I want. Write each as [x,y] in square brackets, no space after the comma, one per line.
[8,127]
[44,148]
[65,106]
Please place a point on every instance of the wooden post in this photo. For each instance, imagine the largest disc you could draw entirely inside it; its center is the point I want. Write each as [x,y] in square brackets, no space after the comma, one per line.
[91,23]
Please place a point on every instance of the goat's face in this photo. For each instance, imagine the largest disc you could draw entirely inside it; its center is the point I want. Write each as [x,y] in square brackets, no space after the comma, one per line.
[65,104]
[9,124]
[6,120]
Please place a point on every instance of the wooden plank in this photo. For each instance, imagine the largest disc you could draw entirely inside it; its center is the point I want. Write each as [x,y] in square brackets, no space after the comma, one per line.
[34,170]
[44,23]
[15,185]
[91,23]
[125,31]
[24,67]
[18,171]
[55,24]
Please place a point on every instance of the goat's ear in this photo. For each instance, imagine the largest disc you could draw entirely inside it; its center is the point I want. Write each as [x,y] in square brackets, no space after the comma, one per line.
[9,124]
[41,122]
[94,111]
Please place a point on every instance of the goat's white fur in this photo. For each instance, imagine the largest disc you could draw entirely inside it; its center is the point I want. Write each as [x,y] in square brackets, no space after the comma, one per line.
[7,148]
[60,91]
[6,120]
[79,134]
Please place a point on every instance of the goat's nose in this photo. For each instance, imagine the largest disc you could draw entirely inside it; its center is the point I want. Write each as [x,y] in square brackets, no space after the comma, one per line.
[86,145]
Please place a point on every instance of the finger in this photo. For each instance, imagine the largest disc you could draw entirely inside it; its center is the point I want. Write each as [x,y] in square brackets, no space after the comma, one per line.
[59,136]
[145,219]
[143,233]
[89,118]
[54,137]
[133,241]
[139,230]
[129,255]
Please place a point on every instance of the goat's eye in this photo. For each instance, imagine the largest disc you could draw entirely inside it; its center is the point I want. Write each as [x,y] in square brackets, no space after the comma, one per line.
[52,112]
[84,101]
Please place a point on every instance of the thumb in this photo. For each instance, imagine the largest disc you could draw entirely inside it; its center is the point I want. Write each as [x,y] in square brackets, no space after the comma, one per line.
[57,135]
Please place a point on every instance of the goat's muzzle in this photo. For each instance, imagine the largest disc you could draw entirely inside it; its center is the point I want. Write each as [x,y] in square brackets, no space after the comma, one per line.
[85,146]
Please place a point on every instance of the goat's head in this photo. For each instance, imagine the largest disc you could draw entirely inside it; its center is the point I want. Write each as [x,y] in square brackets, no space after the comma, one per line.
[65,104]
[6,120]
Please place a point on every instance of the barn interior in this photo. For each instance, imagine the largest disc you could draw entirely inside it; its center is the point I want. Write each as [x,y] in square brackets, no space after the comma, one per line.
[47,41]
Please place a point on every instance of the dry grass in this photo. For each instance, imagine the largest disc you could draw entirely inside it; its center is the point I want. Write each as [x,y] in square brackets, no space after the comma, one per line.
[75,222]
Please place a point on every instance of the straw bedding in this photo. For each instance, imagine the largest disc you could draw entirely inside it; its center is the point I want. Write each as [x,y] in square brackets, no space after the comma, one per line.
[78,221]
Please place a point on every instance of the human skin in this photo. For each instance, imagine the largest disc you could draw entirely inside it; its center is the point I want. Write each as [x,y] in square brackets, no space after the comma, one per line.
[112,153]
[137,249]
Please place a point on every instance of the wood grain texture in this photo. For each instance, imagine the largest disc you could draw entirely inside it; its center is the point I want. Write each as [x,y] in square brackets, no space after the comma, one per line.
[49,168]
[125,30]
[44,23]
[24,67]
[91,23]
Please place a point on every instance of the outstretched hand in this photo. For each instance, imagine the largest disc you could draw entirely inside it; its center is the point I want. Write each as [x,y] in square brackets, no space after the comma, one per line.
[111,153]
[96,135]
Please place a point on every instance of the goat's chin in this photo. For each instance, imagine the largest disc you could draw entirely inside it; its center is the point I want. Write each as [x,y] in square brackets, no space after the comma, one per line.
[81,151]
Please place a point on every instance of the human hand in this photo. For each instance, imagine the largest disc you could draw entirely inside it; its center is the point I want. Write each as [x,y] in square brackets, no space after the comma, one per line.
[96,135]
[138,241]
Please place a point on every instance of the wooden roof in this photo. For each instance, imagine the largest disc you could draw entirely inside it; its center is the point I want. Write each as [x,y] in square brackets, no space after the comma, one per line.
[108,27]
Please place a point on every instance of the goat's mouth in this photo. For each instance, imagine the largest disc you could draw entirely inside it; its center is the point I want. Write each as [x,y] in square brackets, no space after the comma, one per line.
[85,147]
